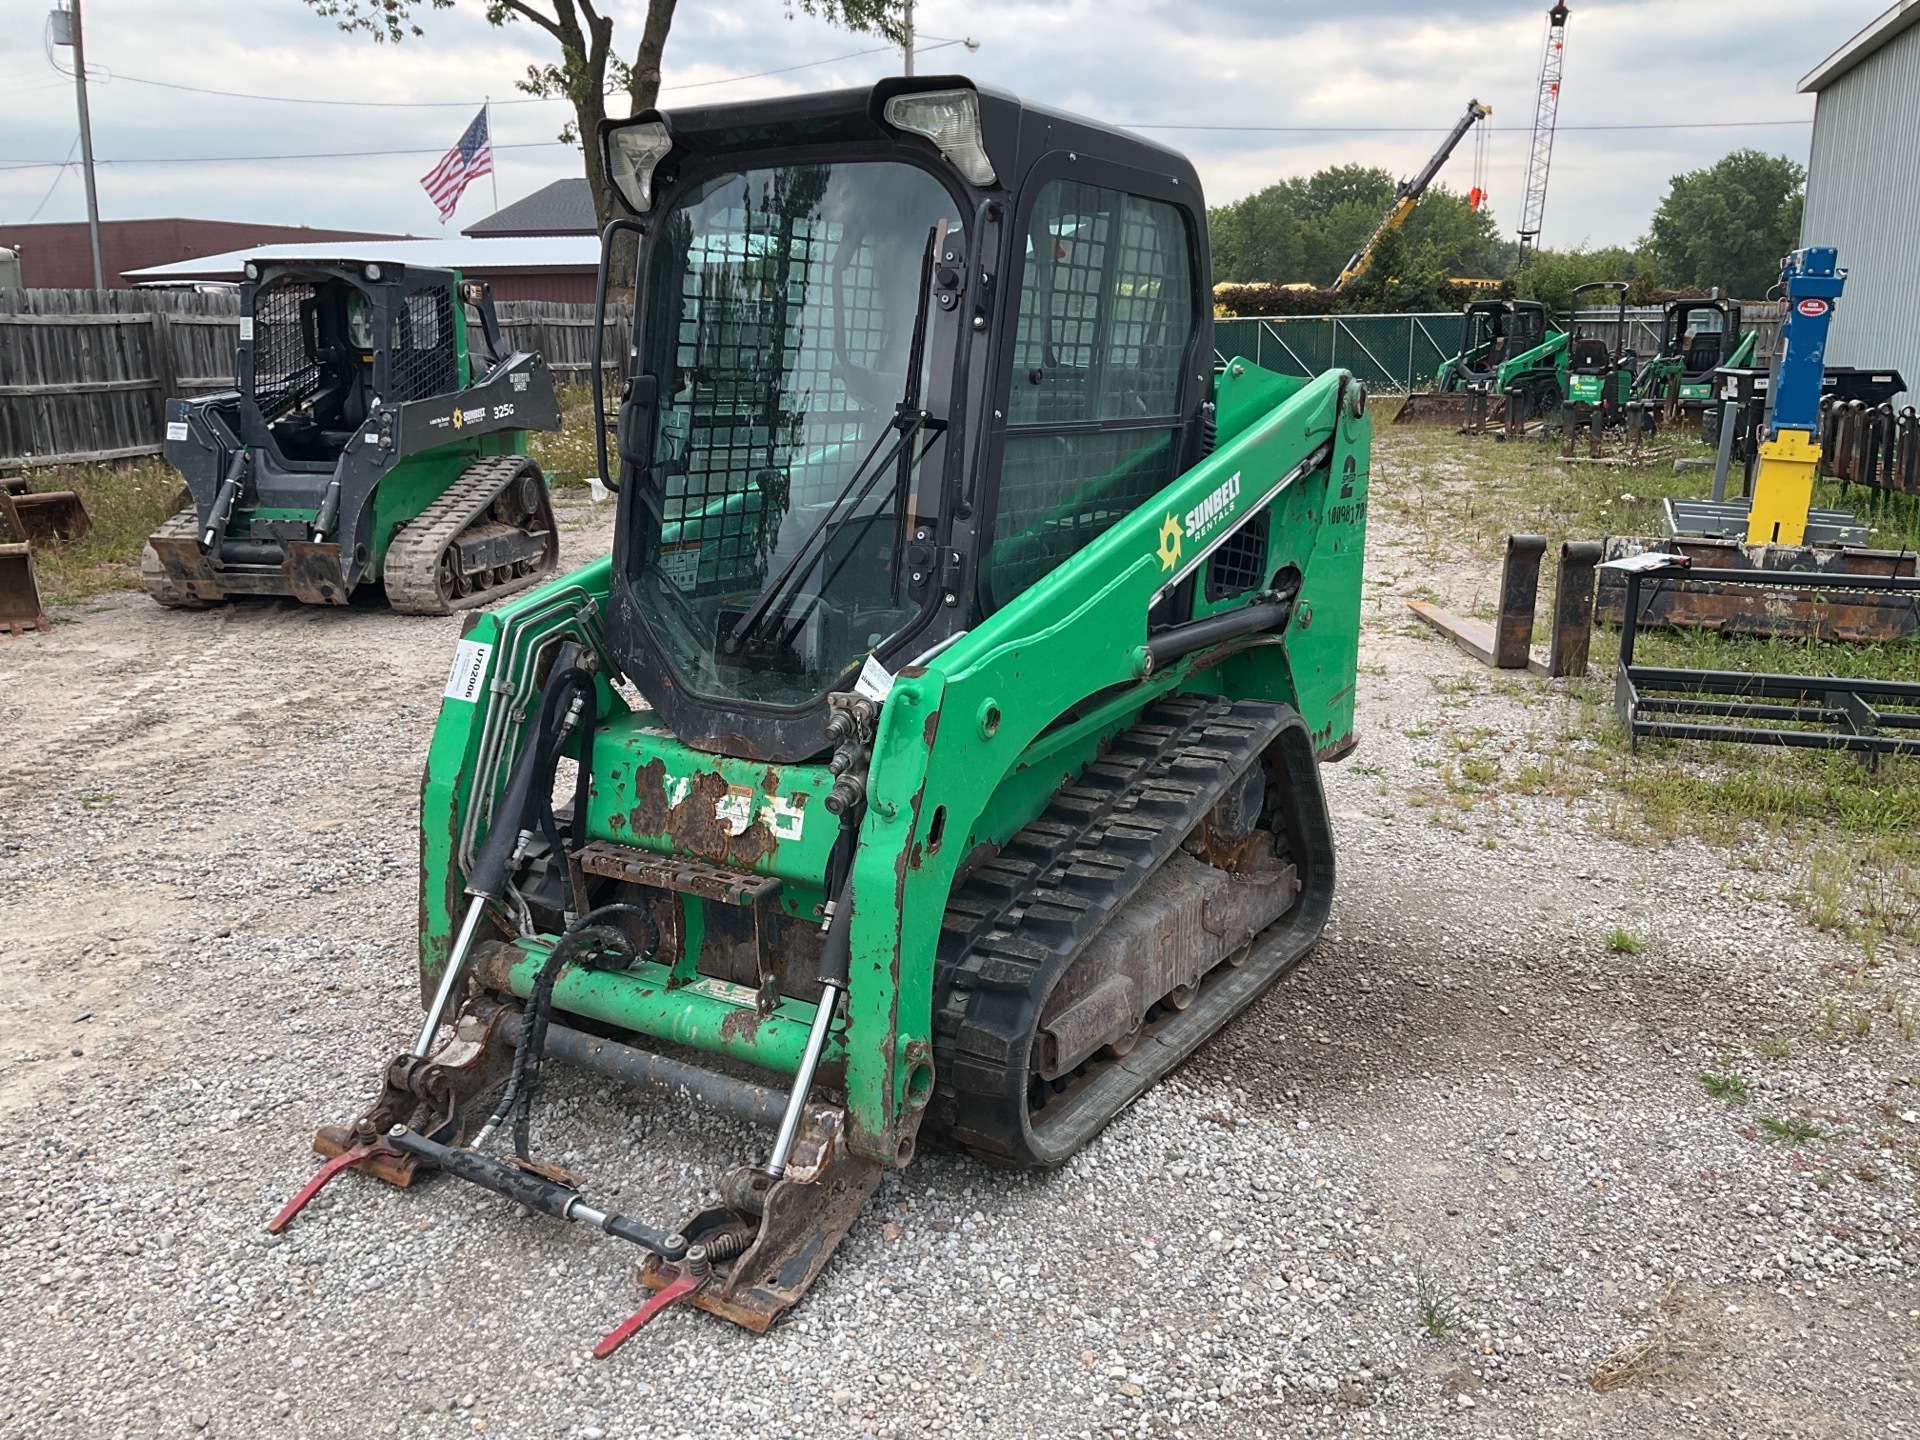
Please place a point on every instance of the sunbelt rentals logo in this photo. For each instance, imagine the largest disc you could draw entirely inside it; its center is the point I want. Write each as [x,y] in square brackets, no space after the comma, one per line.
[1197,522]
[1169,551]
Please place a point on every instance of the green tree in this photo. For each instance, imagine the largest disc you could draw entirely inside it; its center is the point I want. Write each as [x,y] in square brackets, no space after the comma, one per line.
[1551,275]
[1258,238]
[590,68]
[1302,230]
[1729,224]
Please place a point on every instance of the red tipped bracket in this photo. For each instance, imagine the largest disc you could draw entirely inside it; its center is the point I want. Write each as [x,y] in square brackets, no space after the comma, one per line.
[676,1290]
[345,1160]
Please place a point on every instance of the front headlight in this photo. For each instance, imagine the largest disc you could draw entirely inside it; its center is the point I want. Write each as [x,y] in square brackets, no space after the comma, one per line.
[631,153]
[951,119]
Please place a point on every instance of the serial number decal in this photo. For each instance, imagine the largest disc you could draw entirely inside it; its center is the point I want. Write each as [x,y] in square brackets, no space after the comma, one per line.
[1348,514]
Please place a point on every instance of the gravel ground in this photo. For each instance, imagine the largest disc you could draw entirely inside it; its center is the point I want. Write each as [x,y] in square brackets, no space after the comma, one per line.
[1460,1162]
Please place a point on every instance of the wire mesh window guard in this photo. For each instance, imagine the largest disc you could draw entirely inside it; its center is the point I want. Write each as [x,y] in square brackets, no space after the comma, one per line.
[1105,319]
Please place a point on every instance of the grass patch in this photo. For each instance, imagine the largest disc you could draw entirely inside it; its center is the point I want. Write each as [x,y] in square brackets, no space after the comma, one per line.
[127,501]
[1622,943]
[1793,1130]
[1438,1312]
[1731,1088]
[568,454]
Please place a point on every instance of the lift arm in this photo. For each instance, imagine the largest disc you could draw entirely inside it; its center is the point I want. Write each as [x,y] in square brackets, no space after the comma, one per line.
[1408,193]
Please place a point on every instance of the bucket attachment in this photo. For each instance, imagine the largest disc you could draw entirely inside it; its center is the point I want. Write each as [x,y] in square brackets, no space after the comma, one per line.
[1433,407]
[20,609]
[45,519]
[177,572]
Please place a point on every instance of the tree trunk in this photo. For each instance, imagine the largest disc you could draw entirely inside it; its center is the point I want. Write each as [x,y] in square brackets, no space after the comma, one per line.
[588,112]
[644,89]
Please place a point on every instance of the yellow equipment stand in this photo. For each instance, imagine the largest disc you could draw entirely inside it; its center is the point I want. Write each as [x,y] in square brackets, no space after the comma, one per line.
[1783,489]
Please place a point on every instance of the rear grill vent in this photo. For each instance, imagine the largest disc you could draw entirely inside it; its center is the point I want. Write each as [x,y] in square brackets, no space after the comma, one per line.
[1239,565]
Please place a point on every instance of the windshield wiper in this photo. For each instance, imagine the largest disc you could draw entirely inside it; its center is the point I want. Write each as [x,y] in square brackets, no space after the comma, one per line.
[908,421]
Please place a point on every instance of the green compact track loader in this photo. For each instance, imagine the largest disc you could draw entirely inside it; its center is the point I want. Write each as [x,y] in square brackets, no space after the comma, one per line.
[365,445]
[1503,344]
[945,722]
[1696,338]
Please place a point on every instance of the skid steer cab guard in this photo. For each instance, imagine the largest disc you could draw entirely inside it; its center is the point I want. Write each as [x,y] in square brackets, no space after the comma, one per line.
[1492,332]
[947,715]
[1503,344]
[1697,336]
[360,412]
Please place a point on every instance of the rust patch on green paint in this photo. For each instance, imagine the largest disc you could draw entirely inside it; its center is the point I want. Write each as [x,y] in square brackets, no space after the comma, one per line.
[650,813]
[741,1025]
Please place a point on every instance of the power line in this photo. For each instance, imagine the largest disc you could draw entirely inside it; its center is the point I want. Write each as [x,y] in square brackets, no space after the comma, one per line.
[312,155]
[1440,130]
[529,100]
[59,175]
[1135,124]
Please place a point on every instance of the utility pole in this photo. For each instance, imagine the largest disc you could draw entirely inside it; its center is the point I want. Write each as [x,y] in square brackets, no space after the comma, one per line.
[908,47]
[86,145]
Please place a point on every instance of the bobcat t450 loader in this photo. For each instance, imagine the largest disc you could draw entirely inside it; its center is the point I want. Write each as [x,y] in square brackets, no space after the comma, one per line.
[947,716]
[364,445]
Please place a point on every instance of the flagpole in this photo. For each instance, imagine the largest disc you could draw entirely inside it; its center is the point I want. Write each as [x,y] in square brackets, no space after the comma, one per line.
[493,170]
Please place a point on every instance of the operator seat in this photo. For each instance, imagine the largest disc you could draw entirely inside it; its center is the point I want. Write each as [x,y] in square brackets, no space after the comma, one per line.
[1589,353]
[1703,352]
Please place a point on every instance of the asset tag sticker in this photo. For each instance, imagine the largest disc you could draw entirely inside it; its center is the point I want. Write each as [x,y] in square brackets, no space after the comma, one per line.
[681,565]
[176,429]
[470,659]
[246,327]
[875,681]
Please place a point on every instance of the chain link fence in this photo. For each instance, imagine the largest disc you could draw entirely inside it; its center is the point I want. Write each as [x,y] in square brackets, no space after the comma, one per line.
[1405,352]
[1389,352]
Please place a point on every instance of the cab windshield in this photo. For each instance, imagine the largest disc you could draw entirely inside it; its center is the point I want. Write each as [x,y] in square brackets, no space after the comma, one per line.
[782,307]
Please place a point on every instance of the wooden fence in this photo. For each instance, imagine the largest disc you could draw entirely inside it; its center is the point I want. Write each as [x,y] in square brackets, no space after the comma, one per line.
[563,334]
[85,374]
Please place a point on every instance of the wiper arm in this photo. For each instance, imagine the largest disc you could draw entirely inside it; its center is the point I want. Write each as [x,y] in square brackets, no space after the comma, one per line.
[908,421]
[777,589]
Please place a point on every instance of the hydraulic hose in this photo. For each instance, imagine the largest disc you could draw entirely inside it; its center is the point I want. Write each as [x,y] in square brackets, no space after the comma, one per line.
[569,701]
[590,939]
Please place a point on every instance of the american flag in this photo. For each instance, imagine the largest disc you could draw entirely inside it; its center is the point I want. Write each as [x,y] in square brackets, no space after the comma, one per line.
[465,162]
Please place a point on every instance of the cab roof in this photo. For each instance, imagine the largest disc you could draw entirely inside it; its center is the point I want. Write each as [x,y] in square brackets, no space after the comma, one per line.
[1015,132]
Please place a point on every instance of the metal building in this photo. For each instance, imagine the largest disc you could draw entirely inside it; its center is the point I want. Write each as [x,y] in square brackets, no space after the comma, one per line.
[1863,188]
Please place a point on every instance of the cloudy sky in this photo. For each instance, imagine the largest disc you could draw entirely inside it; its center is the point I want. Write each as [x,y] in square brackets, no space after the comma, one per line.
[1370,81]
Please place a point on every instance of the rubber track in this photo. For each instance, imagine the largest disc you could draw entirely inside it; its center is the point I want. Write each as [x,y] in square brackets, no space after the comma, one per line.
[412,570]
[1013,927]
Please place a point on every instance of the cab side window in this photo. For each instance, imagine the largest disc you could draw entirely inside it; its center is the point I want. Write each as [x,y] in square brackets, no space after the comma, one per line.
[1105,321]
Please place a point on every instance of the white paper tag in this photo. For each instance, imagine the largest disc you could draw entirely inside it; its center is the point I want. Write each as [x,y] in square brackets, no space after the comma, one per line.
[246,327]
[875,682]
[681,565]
[176,429]
[469,667]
